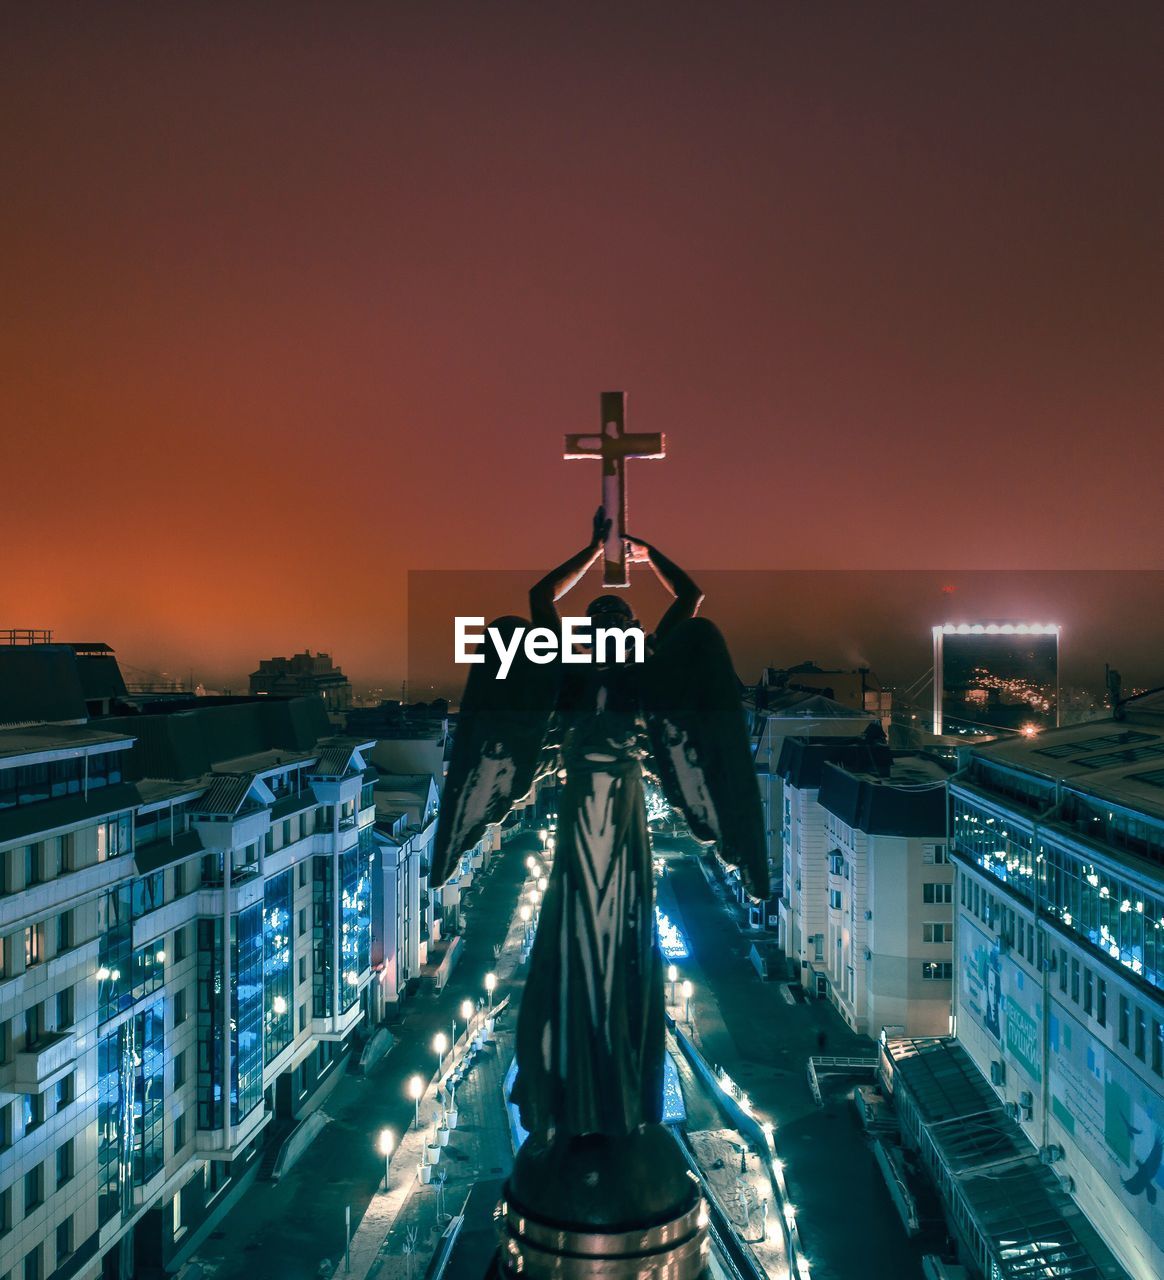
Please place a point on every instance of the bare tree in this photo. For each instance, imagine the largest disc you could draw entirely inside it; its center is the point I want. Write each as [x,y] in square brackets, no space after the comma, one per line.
[409,1247]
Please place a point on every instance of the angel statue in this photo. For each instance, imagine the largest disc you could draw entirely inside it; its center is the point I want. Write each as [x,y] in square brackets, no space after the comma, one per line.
[590,1032]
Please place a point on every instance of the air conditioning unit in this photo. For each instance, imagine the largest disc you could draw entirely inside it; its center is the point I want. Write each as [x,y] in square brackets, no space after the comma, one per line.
[1050,1154]
[868,915]
[997,1072]
[1013,1110]
[868,954]
[1067,1182]
[1026,1098]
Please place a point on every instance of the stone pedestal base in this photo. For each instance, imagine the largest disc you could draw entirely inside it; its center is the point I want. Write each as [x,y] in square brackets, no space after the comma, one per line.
[601,1208]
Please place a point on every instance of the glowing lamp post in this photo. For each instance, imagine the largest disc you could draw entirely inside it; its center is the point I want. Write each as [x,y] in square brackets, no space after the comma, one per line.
[531,863]
[415,1089]
[386,1143]
[542,882]
[440,1042]
[467,1011]
[688,991]
[490,987]
[672,978]
[525,914]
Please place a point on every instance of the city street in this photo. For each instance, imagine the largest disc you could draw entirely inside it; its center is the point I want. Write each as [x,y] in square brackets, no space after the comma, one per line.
[847,1221]
[848,1225]
[287,1230]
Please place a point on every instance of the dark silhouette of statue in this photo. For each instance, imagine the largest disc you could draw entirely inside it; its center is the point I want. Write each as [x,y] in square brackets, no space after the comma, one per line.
[590,1034]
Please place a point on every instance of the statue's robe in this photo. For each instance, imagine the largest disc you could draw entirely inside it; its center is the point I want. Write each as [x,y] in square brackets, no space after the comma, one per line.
[590,1032]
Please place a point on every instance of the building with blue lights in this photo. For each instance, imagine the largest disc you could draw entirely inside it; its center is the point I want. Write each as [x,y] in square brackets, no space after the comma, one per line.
[188,948]
[1059,846]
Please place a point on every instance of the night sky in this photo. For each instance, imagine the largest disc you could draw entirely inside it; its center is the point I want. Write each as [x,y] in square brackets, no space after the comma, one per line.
[297,299]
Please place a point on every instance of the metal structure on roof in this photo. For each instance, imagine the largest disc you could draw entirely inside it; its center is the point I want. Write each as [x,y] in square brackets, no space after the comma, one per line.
[1011,1207]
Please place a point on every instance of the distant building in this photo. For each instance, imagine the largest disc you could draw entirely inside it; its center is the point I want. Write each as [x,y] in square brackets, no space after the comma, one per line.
[992,678]
[774,714]
[865,914]
[1059,848]
[859,689]
[300,675]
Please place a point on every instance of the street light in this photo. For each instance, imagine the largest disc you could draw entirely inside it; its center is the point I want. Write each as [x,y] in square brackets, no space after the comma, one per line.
[542,882]
[531,863]
[415,1089]
[385,1144]
[440,1042]
[467,1011]
[672,978]
[490,986]
[687,990]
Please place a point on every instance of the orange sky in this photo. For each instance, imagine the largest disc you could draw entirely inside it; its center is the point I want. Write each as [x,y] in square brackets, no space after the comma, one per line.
[298,298]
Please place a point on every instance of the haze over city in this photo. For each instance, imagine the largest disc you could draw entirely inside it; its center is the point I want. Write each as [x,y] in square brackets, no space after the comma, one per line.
[298,302]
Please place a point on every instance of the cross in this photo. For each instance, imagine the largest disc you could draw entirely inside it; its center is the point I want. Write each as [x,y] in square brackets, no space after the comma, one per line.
[613,445]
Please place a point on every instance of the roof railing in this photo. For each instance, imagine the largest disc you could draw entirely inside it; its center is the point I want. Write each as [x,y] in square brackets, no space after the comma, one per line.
[25,635]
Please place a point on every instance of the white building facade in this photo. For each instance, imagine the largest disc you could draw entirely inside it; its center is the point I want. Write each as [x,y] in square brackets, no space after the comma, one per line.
[866,911]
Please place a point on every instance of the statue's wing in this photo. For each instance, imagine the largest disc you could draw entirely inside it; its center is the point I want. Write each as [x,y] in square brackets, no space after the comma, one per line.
[498,748]
[699,742]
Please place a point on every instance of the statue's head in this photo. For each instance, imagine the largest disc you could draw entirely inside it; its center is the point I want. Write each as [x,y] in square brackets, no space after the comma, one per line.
[610,611]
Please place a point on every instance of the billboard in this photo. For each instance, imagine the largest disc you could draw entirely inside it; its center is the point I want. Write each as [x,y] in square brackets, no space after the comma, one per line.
[992,678]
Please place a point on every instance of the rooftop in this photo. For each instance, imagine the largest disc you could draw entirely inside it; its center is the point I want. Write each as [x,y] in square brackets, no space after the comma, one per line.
[1121,760]
[39,738]
[910,801]
[803,704]
[1029,1223]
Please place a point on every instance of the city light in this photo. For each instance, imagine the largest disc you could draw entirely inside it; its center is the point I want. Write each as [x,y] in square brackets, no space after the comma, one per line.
[415,1089]
[672,942]
[279,1005]
[385,1143]
[490,986]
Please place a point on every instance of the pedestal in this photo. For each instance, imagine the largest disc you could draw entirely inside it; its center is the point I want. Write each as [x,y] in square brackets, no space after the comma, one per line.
[601,1208]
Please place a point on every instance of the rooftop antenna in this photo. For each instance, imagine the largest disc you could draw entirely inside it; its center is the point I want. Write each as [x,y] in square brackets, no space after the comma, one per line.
[1114,684]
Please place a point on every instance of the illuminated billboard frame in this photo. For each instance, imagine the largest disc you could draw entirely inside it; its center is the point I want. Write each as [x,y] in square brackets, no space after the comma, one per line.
[987,629]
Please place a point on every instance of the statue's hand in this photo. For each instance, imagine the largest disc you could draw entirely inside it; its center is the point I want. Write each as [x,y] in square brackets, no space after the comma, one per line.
[637,552]
[601,528]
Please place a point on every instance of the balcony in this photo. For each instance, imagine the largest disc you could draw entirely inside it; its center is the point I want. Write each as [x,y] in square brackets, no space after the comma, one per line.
[35,1067]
